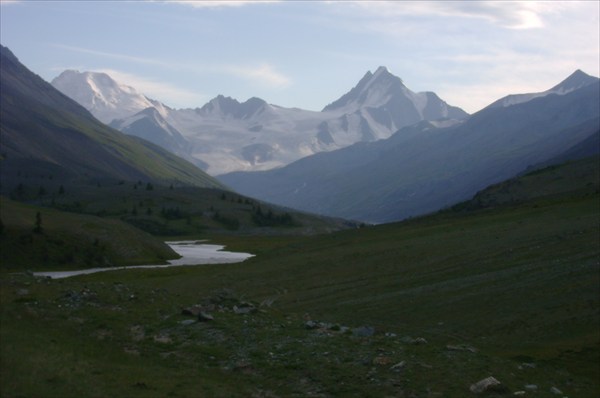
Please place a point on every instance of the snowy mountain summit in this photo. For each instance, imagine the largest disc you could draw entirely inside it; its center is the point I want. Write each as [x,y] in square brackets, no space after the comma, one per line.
[227,135]
[102,96]
[383,99]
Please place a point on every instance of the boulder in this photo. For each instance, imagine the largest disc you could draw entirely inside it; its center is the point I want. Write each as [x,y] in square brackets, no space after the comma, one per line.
[489,384]
[556,391]
[244,308]
[363,331]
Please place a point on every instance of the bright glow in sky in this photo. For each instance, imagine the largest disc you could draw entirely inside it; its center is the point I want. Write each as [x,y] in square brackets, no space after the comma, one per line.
[307,54]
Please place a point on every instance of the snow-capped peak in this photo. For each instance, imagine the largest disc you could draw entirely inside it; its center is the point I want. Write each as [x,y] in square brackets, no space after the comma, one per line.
[102,95]
[227,107]
[373,90]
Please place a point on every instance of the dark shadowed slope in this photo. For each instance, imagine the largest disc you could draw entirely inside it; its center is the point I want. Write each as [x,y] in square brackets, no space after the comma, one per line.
[422,168]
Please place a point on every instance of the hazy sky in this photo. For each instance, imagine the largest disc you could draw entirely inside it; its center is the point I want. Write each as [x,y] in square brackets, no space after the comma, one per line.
[307,54]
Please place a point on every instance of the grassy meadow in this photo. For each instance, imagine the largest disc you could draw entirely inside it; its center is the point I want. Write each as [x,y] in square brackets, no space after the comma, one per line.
[506,285]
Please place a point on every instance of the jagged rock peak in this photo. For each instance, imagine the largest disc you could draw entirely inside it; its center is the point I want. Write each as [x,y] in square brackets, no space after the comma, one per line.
[575,80]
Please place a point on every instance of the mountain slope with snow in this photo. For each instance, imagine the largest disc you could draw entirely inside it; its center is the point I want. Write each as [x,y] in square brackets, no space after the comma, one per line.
[576,80]
[423,168]
[227,135]
[102,95]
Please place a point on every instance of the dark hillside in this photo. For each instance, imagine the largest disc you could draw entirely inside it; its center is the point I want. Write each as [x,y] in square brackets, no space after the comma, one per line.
[421,168]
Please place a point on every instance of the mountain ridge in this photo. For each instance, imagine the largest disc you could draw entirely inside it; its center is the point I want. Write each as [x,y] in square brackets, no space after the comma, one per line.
[228,135]
[574,81]
[422,168]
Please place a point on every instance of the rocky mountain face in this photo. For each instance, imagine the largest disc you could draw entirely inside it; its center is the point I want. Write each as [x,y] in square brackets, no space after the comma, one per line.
[226,135]
[423,168]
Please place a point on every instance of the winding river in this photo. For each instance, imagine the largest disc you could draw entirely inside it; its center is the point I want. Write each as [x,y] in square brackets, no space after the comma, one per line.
[192,253]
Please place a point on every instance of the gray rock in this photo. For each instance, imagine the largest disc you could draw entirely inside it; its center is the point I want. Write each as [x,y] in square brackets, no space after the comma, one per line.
[531,387]
[244,309]
[461,347]
[489,384]
[410,340]
[187,322]
[164,339]
[529,365]
[399,366]
[363,331]
[204,317]
[311,325]
[556,391]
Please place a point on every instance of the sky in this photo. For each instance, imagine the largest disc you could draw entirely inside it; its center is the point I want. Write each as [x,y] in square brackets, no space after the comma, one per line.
[306,54]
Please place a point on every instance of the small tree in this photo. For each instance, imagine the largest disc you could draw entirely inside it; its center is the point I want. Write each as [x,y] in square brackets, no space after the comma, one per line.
[38,223]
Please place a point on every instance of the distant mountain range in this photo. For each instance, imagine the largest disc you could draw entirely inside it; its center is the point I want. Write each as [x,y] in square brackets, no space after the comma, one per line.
[379,153]
[225,135]
[423,168]
[44,135]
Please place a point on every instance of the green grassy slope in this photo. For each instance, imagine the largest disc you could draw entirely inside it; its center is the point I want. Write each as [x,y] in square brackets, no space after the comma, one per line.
[511,291]
[65,241]
[175,210]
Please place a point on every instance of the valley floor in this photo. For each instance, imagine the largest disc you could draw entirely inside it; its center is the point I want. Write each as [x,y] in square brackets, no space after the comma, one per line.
[425,308]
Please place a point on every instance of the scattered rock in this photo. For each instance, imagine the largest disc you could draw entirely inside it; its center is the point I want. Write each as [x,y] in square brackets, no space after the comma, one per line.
[555,390]
[531,387]
[489,384]
[244,308]
[137,333]
[311,325]
[102,334]
[243,366]
[527,365]
[187,322]
[410,340]
[461,347]
[382,360]
[22,292]
[267,302]
[399,366]
[204,317]
[363,331]
[131,351]
[164,339]
[519,393]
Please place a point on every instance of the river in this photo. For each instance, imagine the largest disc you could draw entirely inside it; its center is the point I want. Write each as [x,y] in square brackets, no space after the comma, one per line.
[192,253]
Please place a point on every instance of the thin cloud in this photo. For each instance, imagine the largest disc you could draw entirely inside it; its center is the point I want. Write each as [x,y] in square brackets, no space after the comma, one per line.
[219,3]
[510,14]
[263,74]
[124,57]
